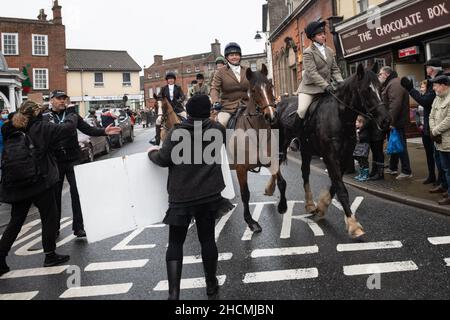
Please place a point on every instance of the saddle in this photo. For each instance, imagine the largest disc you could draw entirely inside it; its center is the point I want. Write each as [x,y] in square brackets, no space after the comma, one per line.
[235,116]
[293,120]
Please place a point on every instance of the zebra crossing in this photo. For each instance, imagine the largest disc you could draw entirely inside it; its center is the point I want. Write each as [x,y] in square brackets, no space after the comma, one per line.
[30,237]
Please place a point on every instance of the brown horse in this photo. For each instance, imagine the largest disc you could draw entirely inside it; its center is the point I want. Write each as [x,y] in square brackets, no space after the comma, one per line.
[259,116]
[169,117]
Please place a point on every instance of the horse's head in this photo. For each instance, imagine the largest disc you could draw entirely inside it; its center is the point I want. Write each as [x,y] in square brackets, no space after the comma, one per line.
[262,94]
[161,102]
[368,96]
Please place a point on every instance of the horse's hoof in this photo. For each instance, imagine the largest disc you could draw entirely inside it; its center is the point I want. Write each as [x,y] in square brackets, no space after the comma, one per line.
[268,194]
[354,228]
[255,227]
[282,207]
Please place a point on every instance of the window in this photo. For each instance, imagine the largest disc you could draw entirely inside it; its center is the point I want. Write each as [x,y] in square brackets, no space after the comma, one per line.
[363,5]
[254,67]
[10,44]
[210,67]
[158,90]
[150,76]
[188,70]
[381,62]
[157,75]
[40,79]
[98,79]
[197,69]
[40,45]
[150,93]
[126,79]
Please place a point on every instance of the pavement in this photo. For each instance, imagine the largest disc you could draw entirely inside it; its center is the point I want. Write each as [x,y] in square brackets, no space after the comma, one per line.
[410,191]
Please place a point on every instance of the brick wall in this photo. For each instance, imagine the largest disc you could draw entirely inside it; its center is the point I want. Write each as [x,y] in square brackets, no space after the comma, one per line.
[56,59]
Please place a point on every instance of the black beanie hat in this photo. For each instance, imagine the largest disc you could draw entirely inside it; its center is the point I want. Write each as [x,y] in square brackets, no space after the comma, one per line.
[199,106]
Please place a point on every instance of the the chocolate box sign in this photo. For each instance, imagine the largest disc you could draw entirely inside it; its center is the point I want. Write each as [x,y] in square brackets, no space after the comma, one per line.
[416,19]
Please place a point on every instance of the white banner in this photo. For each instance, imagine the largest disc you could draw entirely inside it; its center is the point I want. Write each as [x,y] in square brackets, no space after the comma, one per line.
[120,195]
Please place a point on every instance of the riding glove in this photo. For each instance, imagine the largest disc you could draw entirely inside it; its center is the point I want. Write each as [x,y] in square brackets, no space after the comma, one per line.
[217,106]
[407,84]
[329,89]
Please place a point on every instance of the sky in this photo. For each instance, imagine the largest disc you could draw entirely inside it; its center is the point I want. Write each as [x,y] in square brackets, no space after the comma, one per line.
[172,28]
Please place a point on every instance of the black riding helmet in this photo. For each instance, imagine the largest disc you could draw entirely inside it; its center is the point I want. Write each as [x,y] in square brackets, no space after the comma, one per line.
[171,75]
[314,28]
[232,47]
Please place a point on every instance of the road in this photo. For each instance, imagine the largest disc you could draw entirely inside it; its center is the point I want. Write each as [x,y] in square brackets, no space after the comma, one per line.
[404,255]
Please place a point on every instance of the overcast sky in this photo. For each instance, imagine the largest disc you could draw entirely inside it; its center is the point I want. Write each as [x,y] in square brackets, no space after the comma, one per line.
[144,28]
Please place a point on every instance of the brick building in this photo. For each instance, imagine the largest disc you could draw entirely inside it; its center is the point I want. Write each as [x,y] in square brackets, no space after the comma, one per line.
[40,46]
[288,40]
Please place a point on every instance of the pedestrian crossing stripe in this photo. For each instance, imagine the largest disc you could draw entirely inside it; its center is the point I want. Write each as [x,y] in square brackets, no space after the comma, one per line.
[437,241]
[281,275]
[369,246]
[116,265]
[195,283]
[376,268]
[22,296]
[34,272]
[263,253]
[95,291]
[198,259]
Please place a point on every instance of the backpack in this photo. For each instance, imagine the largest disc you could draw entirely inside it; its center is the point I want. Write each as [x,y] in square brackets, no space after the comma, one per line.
[20,165]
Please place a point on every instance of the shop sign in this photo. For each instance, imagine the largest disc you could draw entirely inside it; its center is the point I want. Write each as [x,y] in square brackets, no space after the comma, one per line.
[411,51]
[420,17]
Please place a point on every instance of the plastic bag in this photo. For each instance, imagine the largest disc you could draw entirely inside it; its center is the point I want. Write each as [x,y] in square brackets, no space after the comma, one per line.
[395,144]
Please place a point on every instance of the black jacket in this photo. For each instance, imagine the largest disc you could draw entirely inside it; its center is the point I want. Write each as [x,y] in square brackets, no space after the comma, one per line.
[190,182]
[68,149]
[396,98]
[178,97]
[43,135]
[426,101]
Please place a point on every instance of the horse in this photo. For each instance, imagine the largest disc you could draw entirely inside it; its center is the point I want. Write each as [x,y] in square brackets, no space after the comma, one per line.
[258,114]
[326,131]
[169,117]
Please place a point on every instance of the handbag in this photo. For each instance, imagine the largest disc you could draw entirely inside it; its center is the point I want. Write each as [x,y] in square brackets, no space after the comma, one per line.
[395,144]
[361,150]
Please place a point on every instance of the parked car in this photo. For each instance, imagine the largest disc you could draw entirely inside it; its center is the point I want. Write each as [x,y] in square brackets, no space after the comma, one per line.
[127,134]
[92,146]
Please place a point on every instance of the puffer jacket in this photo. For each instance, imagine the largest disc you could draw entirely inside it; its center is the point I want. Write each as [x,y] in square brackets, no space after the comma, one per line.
[440,121]
[43,135]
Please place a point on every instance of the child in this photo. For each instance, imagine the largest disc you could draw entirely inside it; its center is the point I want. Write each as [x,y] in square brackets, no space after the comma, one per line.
[361,153]
[194,192]
[419,112]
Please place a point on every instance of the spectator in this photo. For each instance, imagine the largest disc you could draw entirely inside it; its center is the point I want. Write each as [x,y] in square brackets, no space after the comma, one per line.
[396,99]
[361,153]
[440,126]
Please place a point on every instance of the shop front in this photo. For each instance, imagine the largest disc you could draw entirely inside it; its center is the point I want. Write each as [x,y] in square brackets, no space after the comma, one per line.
[401,34]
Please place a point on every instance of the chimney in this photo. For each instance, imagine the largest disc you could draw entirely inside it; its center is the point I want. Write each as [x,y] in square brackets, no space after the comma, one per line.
[158,59]
[57,16]
[215,48]
[42,16]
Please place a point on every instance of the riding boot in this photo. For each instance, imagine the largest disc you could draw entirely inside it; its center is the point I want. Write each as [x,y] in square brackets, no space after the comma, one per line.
[157,140]
[174,276]
[374,170]
[212,284]
[3,266]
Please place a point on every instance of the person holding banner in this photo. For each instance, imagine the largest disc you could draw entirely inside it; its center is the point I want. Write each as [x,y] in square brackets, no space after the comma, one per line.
[194,191]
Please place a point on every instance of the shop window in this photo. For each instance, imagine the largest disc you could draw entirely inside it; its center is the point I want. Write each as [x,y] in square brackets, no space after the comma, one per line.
[441,49]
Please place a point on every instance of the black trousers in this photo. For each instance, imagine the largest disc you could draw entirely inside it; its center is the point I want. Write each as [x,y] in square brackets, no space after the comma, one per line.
[46,204]
[66,171]
[205,230]
[429,150]
[377,152]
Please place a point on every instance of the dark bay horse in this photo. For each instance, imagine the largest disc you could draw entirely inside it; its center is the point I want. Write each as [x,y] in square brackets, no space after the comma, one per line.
[169,118]
[257,117]
[328,131]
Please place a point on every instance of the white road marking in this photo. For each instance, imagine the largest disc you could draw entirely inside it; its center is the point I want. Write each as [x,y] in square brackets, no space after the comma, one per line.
[24,250]
[355,205]
[282,275]
[265,172]
[28,227]
[287,221]
[447,261]
[437,241]
[34,272]
[284,252]
[318,232]
[376,268]
[223,221]
[94,291]
[198,259]
[116,265]
[256,215]
[123,245]
[195,283]
[32,235]
[369,246]
[19,296]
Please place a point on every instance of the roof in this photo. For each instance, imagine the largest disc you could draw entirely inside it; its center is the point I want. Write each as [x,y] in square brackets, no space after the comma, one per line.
[191,57]
[20,20]
[100,60]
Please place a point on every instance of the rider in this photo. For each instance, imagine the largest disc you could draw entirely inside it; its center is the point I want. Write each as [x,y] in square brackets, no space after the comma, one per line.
[230,85]
[200,87]
[174,94]
[320,68]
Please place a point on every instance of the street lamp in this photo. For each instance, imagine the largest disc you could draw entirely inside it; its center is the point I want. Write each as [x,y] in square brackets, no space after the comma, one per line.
[258,37]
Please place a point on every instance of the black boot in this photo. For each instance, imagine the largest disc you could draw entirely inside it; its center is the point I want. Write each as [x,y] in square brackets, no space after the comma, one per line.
[157,139]
[212,284]
[174,276]
[379,175]
[374,170]
[3,266]
[53,259]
